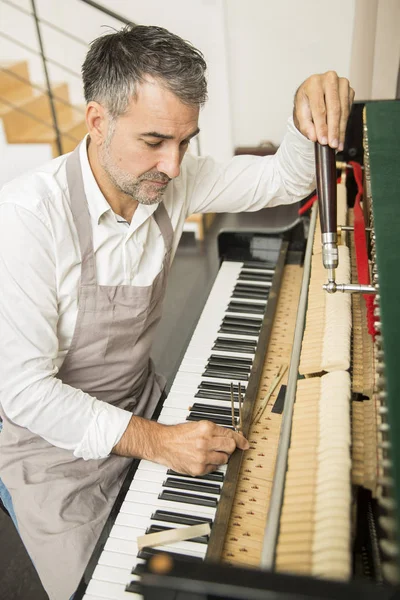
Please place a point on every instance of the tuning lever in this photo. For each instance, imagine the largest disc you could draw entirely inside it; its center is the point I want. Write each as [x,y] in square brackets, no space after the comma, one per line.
[327,200]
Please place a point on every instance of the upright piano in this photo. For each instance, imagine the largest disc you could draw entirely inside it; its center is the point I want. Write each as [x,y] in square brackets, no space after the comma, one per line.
[310,510]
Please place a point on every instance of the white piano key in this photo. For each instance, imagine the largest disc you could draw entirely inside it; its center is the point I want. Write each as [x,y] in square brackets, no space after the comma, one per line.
[255,282]
[118,544]
[146,511]
[114,574]
[182,401]
[194,352]
[152,475]
[188,380]
[110,591]
[117,559]
[151,487]
[140,497]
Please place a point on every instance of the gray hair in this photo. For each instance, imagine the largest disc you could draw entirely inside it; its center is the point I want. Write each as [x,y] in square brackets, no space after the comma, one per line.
[117,62]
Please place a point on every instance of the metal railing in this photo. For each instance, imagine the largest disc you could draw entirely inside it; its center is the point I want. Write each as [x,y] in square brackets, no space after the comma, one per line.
[47,60]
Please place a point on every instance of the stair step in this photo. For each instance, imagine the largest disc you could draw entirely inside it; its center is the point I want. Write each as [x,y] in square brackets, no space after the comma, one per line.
[72,128]
[8,82]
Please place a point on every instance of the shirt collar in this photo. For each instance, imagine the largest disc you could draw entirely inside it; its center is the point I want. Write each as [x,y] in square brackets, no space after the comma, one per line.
[97,203]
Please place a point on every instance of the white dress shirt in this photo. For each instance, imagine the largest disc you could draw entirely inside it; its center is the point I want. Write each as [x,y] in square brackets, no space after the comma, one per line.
[40,267]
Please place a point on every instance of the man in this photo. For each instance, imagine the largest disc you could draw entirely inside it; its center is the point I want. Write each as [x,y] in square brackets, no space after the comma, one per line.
[86,243]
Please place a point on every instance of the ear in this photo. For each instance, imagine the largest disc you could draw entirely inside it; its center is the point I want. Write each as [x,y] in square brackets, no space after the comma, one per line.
[97,122]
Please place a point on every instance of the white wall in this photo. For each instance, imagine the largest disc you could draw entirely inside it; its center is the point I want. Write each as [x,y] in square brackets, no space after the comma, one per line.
[362,56]
[273,47]
[387,50]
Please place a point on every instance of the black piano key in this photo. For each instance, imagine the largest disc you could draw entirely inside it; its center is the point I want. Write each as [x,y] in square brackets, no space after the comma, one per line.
[246,276]
[244,360]
[147,553]
[236,330]
[216,363]
[218,386]
[157,528]
[214,395]
[180,518]
[209,408]
[188,498]
[226,374]
[192,486]
[254,293]
[244,307]
[252,264]
[228,368]
[213,476]
[245,294]
[245,321]
[139,569]
[134,587]
[234,347]
[223,421]
[251,344]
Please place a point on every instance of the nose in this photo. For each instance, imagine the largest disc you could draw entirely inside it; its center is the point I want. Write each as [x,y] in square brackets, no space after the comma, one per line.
[170,164]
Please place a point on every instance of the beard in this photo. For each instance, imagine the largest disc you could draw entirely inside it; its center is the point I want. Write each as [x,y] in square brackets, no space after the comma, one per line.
[139,188]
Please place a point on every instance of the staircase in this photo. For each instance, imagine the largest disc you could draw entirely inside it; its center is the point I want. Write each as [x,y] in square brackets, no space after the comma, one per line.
[26,112]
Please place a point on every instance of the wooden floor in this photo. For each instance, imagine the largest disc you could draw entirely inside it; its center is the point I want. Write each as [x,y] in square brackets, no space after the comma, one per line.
[193,272]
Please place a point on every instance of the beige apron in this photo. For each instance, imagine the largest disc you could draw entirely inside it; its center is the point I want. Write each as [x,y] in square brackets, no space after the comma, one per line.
[62,502]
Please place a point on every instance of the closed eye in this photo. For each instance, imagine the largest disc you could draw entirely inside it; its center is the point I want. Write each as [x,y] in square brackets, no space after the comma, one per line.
[153,145]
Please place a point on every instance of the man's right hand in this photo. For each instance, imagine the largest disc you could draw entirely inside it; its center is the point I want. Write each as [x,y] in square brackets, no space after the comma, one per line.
[193,448]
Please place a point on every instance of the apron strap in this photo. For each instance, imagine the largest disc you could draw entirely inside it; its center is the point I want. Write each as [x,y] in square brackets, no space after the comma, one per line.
[81,216]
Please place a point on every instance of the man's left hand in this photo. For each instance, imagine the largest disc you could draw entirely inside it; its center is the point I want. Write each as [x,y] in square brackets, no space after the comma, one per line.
[321,108]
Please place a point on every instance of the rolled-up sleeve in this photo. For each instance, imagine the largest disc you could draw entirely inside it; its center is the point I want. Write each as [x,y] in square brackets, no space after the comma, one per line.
[30,393]
[250,183]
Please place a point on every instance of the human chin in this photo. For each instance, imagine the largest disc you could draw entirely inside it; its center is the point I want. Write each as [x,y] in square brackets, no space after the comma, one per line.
[153,191]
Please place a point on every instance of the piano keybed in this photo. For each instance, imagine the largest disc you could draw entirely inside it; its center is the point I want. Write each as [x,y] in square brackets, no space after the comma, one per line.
[222,350]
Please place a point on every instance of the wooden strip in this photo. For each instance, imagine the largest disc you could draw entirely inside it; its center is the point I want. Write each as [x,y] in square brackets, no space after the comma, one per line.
[162,538]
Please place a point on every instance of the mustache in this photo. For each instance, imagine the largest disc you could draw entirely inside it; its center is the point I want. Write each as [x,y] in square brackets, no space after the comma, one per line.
[155,176]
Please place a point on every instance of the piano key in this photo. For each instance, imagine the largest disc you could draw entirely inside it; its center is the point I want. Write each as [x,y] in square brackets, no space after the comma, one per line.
[245,308]
[218,420]
[130,547]
[252,276]
[160,476]
[115,574]
[181,497]
[178,518]
[152,502]
[147,553]
[229,374]
[190,485]
[110,591]
[117,559]
[214,409]
[151,487]
[184,401]
[157,528]
[237,320]
[216,475]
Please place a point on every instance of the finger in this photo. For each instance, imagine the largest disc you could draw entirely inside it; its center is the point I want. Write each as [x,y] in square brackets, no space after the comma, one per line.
[316,100]
[217,458]
[224,444]
[302,116]
[333,107]
[344,93]
[238,438]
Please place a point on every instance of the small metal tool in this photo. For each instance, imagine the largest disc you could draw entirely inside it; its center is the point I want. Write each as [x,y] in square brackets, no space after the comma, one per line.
[236,423]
